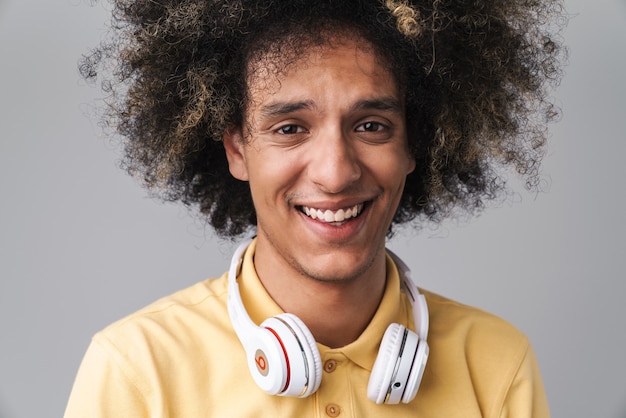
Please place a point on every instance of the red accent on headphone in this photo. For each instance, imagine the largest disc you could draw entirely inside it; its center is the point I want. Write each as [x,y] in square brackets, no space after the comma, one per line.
[286,358]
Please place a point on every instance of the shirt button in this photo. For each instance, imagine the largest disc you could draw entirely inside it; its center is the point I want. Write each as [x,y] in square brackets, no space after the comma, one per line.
[333,410]
[330,366]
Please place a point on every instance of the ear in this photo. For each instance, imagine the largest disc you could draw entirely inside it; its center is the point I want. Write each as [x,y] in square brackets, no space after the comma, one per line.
[412,163]
[411,167]
[234,146]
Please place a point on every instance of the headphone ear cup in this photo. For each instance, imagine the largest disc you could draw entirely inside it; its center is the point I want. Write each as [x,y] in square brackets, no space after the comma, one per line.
[385,362]
[417,371]
[266,361]
[392,377]
[311,353]
[303,364]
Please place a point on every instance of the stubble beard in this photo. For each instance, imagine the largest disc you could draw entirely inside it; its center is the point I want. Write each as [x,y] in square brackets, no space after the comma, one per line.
[322,277]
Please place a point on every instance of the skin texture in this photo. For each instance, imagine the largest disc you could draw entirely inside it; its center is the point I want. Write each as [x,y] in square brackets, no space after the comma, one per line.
[330,134]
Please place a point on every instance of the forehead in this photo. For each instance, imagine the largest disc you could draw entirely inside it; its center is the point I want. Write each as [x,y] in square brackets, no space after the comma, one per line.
[346,59]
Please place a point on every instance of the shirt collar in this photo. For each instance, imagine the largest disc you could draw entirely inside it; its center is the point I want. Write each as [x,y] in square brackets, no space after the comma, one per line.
[393,308]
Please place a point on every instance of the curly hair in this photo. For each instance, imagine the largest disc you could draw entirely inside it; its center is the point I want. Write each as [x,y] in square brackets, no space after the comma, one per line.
[475,73]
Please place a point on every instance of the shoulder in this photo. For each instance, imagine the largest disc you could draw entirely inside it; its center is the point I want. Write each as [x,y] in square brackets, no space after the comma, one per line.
[479,359]
[452,319]
[157,357]
[191,297]
[172,320]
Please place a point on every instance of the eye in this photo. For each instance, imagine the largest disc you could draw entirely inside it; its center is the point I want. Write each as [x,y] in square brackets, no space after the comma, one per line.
[290,129]
[370,127]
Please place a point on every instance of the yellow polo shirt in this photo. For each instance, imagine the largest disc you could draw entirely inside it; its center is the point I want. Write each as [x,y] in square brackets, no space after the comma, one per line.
[180,357]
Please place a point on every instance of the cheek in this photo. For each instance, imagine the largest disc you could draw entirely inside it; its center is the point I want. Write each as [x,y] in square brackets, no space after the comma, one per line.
[393,166]
[270,177]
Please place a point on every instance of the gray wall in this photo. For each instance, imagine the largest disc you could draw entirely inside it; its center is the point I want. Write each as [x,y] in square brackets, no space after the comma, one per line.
[81,245]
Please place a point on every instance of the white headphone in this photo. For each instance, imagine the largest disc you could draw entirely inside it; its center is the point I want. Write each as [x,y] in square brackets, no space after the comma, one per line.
[284,360]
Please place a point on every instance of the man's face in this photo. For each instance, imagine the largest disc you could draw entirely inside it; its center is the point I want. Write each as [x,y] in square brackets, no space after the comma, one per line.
[326,157]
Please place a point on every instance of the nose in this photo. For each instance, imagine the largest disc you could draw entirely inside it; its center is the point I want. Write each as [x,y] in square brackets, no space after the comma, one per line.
[334,164]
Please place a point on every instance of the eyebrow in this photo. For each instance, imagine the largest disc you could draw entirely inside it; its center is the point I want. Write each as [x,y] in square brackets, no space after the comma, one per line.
[388,104]
[285,108]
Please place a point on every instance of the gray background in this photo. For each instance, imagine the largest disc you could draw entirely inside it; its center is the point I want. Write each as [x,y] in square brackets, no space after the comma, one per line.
[81,245]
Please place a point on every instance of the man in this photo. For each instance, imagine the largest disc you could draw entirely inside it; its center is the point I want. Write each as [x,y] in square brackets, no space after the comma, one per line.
[336,121]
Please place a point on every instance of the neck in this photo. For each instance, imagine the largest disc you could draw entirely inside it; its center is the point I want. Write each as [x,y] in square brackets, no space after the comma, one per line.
[335,311]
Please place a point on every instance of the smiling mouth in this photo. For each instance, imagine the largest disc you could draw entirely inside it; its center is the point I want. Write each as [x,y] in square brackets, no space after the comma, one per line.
[333,216]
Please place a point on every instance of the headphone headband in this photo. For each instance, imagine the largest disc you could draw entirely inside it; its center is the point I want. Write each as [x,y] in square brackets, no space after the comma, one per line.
[283,357]
[241,321]
[238,316]
[419,308]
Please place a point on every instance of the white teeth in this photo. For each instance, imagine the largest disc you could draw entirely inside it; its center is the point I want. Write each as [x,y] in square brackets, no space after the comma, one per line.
[330,216]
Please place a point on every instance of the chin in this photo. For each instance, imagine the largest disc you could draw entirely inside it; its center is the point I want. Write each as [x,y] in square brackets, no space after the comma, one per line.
[339,271]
